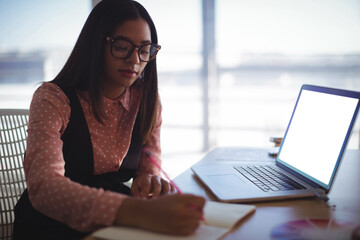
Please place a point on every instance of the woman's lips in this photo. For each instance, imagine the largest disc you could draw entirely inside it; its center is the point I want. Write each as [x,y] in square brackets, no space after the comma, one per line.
[128,73]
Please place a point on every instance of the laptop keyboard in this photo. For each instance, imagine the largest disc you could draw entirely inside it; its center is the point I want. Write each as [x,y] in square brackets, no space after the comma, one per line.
[268,179]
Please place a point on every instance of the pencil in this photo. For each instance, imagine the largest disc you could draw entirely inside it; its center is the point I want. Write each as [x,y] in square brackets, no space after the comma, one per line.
[149,155]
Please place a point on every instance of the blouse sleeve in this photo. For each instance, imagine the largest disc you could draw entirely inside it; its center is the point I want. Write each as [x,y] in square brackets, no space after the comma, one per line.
[153,144]
[50,192]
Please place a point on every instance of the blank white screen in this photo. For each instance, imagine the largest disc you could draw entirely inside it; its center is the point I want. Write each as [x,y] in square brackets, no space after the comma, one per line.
[317,133]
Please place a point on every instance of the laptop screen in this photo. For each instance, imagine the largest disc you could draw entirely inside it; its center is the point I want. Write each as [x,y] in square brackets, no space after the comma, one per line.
[318,132]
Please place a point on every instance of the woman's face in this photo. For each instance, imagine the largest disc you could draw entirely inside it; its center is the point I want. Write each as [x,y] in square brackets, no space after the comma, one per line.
[119,74]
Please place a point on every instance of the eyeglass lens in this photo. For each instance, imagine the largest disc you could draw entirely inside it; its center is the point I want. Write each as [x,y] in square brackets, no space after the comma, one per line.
[123,49]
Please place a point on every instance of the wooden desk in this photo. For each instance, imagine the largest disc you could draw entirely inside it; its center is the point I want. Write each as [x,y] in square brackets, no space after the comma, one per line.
[344,203]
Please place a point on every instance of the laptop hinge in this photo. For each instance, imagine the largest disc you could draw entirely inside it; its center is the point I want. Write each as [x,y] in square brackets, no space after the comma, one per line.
[302,178]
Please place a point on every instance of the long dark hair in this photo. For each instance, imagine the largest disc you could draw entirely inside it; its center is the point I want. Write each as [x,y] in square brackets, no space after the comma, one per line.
[84,66]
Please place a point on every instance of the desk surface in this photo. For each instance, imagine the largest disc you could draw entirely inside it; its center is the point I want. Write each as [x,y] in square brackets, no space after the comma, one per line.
[343,205]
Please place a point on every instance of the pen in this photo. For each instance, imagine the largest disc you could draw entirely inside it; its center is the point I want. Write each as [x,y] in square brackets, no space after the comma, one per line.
[149,155]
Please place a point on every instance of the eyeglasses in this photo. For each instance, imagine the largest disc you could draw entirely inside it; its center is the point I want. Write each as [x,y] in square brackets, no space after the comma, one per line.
[122,48]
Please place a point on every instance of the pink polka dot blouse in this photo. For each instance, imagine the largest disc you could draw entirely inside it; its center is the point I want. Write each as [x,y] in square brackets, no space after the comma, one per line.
[50,192]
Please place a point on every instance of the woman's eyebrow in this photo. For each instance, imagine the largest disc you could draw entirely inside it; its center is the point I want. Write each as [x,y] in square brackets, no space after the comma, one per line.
[126,38]
[146,41]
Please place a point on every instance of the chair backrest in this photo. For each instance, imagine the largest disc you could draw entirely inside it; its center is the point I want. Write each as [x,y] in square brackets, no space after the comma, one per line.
[13,126]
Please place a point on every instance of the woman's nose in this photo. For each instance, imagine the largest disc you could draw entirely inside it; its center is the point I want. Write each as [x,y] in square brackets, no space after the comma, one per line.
[134,57]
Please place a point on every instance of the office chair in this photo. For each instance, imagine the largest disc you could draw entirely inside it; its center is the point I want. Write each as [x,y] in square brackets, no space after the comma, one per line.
[13,126]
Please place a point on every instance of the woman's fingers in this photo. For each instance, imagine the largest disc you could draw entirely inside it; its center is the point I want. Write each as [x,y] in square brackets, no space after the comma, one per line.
[141,186]
[150,186]
[156,186]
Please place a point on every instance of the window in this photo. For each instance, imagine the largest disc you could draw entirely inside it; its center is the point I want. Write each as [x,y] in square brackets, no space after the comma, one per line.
[267,49]
[264,51]
[179,62]
[36,40]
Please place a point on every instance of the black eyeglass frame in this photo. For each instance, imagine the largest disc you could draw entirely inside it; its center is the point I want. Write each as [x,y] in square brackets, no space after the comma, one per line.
[112,40]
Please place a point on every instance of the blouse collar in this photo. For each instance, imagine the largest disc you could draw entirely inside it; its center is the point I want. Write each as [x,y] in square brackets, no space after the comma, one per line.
[123,99]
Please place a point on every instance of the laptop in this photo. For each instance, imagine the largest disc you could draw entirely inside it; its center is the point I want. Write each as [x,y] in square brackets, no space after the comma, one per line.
[308,159]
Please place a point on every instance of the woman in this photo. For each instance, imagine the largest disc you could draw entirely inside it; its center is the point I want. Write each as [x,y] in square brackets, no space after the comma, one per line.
[87,129]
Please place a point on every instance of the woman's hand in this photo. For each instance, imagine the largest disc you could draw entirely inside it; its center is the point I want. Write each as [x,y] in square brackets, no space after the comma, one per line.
[178,214]
[150,186]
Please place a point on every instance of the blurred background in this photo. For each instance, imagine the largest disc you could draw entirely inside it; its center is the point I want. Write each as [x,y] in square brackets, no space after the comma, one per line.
[229,70]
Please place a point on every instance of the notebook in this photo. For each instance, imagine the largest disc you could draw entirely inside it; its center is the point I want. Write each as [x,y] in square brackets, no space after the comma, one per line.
[220,219]
[308,159]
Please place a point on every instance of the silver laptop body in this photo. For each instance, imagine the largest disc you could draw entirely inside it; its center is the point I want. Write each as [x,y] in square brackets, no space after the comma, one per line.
[310,154]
